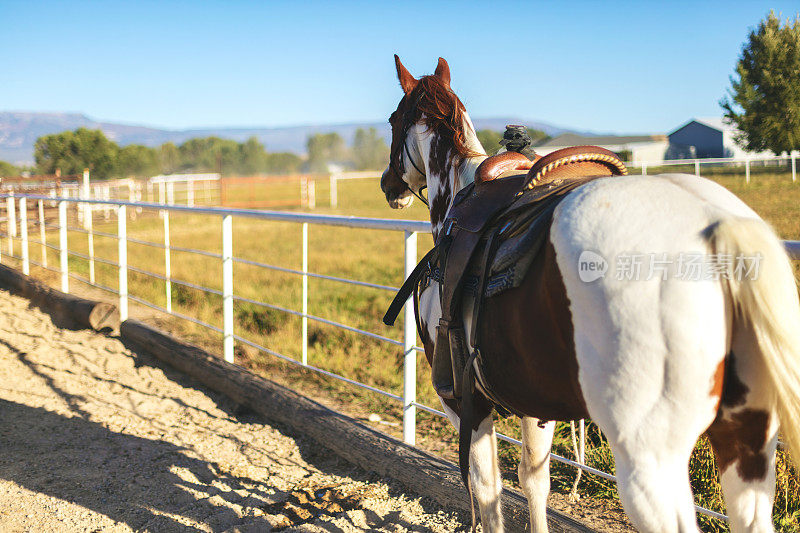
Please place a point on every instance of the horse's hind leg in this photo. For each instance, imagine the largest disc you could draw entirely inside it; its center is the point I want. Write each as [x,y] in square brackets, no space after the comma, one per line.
[746,463]
[744,438]
[534,469]
[655,491]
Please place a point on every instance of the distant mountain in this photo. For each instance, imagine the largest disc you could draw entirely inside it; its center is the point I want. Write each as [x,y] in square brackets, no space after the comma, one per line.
[19,131]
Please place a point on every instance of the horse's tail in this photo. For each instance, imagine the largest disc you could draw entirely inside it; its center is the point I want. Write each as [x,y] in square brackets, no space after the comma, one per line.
[766,298]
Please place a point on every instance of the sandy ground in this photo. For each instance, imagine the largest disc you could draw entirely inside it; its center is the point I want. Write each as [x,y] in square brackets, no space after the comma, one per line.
[95,437]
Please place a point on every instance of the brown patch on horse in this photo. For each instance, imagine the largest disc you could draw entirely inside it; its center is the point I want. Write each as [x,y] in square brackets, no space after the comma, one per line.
[738,437]
[718,381]
[528,347]
[726,386]
[440,204]
[439,160]
[741,438]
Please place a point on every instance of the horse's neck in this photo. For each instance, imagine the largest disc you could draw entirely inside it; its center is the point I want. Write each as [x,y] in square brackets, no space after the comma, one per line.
[443,189]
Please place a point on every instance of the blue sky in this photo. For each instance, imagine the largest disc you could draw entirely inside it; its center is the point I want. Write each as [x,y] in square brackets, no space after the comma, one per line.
[608,67]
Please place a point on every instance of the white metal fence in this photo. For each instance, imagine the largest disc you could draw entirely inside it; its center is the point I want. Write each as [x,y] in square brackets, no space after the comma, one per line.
[746,162]
[18,225]
[336,177]
[186,189]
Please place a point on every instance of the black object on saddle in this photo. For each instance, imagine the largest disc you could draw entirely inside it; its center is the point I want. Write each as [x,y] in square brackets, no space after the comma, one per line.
[517,139]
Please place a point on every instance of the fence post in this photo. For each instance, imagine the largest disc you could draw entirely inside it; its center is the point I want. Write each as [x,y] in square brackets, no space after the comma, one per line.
[86,208]
[190,193]
[747,170]
[62,245]
[90,240]
[409,354]
[122,235]
[644,168]
[23,230]
[12,224]
[794,167]
[304,322]
[334,193]
[312,193]
[697,167]
[162,193]
[227,288]
[106,196]
[42,233]
[167,266]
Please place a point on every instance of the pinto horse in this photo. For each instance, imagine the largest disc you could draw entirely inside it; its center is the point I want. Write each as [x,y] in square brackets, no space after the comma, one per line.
[655,362]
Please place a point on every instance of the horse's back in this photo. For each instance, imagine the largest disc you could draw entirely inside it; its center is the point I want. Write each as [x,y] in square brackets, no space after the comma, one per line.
[651,327]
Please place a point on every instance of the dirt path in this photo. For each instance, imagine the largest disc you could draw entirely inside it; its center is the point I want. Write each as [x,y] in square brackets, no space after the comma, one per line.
[94,437]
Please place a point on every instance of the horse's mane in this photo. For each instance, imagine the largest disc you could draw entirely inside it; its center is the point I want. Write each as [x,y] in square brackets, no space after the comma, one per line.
[443,114]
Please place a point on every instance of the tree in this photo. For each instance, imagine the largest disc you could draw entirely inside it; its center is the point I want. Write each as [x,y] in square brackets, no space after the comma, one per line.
[169,158]
[324,148]
[537,136]
[8,170]
[369,150]
[283,163]
[73,151]
[253,157]
[137,160]
[490,140]
[210,154]
[764,102]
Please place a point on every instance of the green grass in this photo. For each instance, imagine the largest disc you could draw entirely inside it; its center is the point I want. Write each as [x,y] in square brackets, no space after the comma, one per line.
[376,257]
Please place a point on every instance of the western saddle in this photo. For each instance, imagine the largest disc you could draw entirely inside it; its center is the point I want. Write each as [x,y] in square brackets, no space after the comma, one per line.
[492,233]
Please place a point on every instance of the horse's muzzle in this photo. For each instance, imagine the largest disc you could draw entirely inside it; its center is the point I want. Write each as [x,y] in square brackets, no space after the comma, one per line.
[398,195]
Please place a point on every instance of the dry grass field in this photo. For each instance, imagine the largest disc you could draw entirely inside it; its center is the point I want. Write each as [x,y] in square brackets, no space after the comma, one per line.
[376,257]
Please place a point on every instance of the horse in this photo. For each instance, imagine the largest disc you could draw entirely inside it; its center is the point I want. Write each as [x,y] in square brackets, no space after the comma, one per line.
[654,362]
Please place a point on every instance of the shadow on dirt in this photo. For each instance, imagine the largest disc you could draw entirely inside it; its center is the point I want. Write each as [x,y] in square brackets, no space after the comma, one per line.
[81,461]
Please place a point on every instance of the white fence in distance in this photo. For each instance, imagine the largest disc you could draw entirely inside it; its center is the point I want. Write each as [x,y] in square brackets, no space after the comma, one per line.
[746,162]
[790,159]
[17,208]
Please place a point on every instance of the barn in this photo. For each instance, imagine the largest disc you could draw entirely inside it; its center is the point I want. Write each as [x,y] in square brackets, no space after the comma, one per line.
[707,137]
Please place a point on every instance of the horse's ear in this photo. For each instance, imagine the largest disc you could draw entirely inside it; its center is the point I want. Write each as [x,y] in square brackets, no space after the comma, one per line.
[407,81]
[443,71]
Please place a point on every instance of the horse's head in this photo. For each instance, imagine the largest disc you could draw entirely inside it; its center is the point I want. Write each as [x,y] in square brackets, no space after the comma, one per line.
[431,137]
[403,173]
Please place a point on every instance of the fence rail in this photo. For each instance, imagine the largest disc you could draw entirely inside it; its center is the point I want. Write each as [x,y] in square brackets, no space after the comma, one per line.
[18,206]
[790,159]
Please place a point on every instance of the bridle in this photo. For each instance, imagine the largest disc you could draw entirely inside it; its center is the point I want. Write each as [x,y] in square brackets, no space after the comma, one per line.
[396,161]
